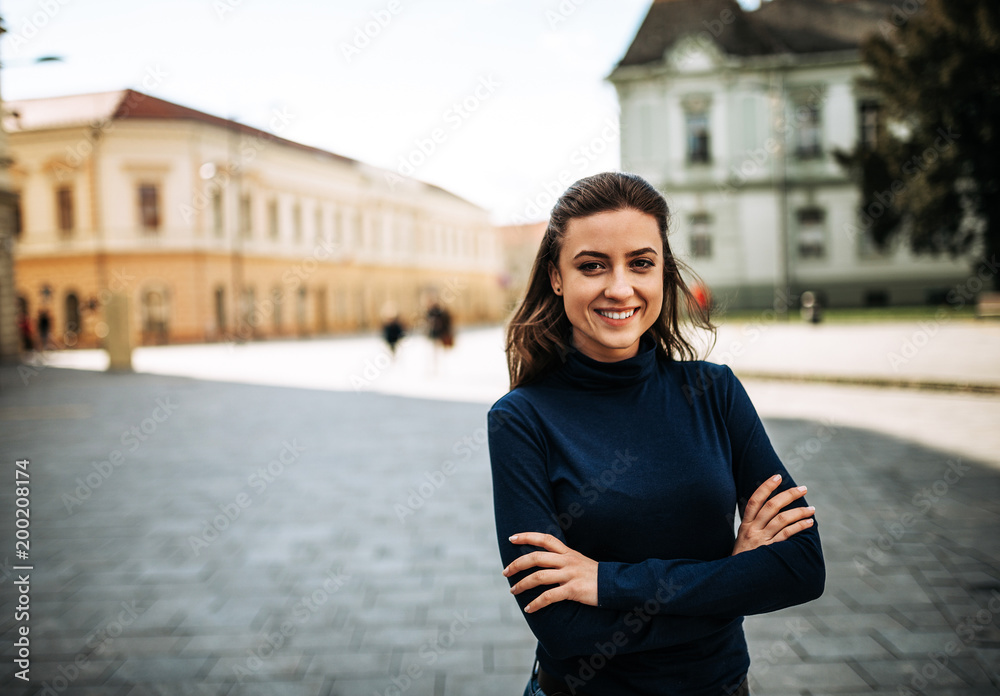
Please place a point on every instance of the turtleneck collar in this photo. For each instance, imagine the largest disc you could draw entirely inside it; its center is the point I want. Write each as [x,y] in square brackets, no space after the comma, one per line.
[582,372]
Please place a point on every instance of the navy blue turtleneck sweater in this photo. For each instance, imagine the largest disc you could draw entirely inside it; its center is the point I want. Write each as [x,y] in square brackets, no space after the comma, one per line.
[642,466]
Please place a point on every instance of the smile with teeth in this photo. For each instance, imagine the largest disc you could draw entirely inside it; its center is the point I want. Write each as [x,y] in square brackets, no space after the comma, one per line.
[616,315]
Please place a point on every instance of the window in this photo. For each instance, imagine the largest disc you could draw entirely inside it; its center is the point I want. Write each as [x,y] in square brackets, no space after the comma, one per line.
[318,229]
[869,122]
[698,139]
[220,309]
[812,235]
[18,217]
[149,207]
[277,296]
[272,219]
[72,317]
[218,222]
[297,222]
[64,210]
[246,217]
[701,236]
[155,314]
[808,132]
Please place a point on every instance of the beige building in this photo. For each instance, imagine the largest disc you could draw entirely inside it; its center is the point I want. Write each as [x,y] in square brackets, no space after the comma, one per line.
[215,230]
[520,246]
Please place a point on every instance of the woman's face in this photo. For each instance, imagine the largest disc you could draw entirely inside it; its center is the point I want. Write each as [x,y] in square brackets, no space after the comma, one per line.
[610,276]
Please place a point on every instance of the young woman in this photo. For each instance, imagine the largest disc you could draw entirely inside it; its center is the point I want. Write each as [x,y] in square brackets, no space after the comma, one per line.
[619,462]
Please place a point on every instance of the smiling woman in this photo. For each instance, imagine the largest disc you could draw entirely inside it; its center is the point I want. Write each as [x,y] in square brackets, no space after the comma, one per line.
[619,461]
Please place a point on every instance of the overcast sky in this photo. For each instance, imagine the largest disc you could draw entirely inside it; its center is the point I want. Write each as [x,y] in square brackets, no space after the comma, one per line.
[495,100]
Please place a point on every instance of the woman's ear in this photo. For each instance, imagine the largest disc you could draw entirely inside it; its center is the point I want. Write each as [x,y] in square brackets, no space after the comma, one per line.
[555,278]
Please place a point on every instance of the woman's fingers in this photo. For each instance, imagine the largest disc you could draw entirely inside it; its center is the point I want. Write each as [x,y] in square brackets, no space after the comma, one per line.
[546,541]
[573,574]
[541,559]
[768,518]
[538,578]
[781,522]
[773,507]
[535,558]
[760,497]
[791,530]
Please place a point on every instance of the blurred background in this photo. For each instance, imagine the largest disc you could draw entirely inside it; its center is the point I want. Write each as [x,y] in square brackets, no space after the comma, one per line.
[300,226]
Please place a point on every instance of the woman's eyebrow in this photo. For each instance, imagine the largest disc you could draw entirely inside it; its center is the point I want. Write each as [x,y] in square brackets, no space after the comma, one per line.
[602,255]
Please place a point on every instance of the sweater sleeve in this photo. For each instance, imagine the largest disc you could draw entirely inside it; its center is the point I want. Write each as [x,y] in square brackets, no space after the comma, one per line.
[762,580]
[523,502]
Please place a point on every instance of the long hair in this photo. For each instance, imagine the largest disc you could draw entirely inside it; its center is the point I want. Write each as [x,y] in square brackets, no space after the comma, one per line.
[538,335]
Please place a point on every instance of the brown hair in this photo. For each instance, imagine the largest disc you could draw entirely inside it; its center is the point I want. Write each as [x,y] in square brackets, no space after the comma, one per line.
[538,335]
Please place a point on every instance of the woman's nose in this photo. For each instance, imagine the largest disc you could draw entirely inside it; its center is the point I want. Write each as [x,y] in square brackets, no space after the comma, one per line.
[619,287]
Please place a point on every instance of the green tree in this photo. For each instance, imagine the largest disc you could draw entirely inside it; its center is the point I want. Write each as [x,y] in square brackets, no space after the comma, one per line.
[934,166]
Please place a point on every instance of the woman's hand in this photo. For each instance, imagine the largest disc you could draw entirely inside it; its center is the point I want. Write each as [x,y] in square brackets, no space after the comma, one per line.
[574,573]
[764,523]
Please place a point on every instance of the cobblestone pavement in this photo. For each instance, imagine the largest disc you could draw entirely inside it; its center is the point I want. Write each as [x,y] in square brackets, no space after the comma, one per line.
[197,537]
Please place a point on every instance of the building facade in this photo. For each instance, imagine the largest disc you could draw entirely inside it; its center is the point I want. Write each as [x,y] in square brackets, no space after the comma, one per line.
[217,231]
[736,116]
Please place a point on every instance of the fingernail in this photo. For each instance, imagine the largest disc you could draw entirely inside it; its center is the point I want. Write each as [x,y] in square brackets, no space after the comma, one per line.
[513,537]
[504,572]
[811,509]
[527,609]
[809,522]
[801,489]
[776,477]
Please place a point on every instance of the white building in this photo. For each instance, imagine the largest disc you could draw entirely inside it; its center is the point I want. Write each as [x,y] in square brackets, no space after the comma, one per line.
[735,115]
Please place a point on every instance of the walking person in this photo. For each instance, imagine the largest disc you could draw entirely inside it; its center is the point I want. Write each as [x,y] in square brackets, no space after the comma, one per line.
[440,331]
[620,461]
[44,328]
[393,331]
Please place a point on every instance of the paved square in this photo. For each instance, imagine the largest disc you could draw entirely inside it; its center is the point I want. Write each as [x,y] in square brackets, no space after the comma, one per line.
[197,537]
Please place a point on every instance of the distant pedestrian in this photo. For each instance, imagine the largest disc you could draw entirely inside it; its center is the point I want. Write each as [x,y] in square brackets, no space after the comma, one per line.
[619,460]
[440,328]
[24,329]
[44,328]
[701,296]
[393,331]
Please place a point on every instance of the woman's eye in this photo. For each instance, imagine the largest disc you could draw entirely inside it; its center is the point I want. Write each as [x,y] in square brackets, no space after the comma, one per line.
[592,266]
[644,263]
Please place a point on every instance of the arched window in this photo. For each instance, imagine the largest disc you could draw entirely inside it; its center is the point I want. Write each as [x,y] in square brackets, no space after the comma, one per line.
[72,317]
[220,309]
[155,315]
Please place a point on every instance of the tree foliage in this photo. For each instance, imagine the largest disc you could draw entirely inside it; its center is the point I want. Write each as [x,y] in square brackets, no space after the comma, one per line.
[933,170]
